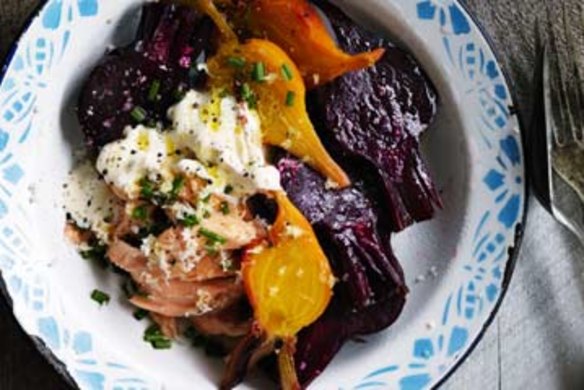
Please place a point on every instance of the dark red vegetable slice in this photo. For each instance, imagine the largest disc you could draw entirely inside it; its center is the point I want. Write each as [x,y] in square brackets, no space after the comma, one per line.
[371,120]
[140,82]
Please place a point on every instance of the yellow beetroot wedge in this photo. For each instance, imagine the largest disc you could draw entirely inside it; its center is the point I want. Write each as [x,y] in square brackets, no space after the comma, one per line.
[296,27]
[288,282]
[268,80]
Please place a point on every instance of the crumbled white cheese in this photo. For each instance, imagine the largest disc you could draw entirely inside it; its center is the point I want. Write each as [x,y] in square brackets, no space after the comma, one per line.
[142,153]
[226,261]
[331,184]
[157,256]
[89,202]
[227,135]
[204,300]
[190,256]
[293,231]
[181,210]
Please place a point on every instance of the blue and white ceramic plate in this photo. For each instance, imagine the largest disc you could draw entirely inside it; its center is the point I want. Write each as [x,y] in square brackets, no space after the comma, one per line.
[458,265]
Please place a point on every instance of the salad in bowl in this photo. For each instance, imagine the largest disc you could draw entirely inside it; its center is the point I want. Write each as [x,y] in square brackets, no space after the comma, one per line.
[247,165]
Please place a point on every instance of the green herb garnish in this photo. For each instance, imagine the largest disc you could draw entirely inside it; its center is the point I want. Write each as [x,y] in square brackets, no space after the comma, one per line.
[290,98]
[156,338]
[190,220]
[140,314]
[258,72]
[162,344]
[236,62]
[213,237]
[139,114]
[146,188]
[248,96]
[287,72]
[224,208]
[177,185]
[100,297]
[154,90]
[140,213]
[228,189]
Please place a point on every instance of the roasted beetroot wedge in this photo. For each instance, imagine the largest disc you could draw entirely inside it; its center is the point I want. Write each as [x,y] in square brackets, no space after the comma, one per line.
[371,290]
[137,84]
[371,120]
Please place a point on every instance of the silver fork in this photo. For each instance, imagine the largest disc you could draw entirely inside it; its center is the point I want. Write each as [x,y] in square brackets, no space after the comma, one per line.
[558,133]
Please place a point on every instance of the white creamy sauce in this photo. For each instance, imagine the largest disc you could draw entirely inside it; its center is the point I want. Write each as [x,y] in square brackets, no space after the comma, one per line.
[89,201]
[225,134]
[143,152]
[223,137]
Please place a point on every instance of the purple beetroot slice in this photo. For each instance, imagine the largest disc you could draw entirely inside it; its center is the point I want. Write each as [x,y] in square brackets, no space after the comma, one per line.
[372,120]
[120,90]
[371,290]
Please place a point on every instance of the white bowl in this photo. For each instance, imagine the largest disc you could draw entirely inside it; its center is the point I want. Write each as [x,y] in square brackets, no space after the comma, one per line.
[458,265]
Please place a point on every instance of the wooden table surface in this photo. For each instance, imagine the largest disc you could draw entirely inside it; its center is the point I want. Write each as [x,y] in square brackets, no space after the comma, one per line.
[537,339]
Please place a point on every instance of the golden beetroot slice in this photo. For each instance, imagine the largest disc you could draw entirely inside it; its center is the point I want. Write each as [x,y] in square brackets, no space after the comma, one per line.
[297,28]
[268,79]
[289,283]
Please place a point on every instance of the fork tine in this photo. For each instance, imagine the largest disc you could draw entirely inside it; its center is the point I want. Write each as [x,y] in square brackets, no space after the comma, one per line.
[573,90]
[561,132]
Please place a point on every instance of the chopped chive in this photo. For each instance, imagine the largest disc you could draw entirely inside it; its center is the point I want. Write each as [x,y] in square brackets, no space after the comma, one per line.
[154,90]
[287,72]
[212,236]
[248,96]
[140,213]
[190,221]
[206,214]
[146,188]
[236,62]
[177,185]
[162,344]
[154,336]
[153,333]
[258,72]
[228,189]
[290,98]
[100,297]
[139,114]
[206,199]
[246,91]
[225,208]
[140,314]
